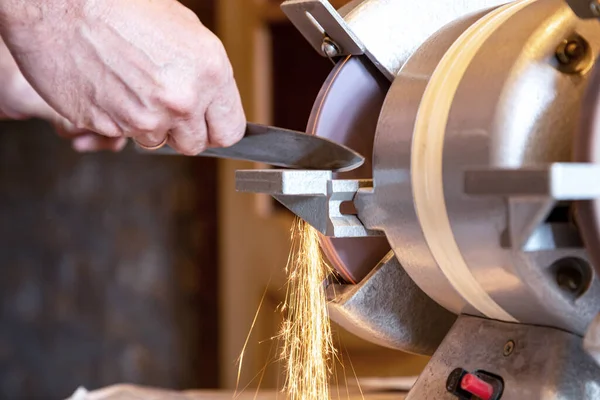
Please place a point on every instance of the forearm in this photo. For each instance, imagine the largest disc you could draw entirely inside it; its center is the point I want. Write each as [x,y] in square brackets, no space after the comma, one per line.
[15,13]
[18,100]
[27,27]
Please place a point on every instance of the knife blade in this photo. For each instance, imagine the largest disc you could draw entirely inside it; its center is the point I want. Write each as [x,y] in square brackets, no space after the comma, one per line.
[282,148]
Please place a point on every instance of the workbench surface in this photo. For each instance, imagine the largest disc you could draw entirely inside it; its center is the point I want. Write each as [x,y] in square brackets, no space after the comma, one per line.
[128,392]
[279,396]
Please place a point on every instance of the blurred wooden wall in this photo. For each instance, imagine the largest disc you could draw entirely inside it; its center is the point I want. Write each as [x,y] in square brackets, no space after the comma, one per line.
[108,266]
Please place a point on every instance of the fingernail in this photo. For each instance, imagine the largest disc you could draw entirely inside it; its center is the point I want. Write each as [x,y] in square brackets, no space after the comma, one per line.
[84,144]
[119,145]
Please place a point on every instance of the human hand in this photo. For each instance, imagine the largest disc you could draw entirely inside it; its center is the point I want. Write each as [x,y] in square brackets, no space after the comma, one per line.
[142,69]
[19,101]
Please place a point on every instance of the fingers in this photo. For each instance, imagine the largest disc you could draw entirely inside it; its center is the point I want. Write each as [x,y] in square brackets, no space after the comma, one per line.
[85,141]
[225,117]
[91,142]
[147,128]
[66,129]
[189,137]
[151,140]
[222,125]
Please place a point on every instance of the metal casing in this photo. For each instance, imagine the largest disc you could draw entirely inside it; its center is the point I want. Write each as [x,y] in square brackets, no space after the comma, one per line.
[510,106]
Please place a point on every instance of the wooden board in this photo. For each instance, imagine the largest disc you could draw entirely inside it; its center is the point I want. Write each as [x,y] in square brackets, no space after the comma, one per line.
[279,396]
[128,392]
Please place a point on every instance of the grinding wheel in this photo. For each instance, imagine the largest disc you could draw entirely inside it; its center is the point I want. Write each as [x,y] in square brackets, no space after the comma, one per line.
[346,111]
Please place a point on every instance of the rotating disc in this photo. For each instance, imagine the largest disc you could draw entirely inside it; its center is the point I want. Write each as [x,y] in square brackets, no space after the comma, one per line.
[346,111]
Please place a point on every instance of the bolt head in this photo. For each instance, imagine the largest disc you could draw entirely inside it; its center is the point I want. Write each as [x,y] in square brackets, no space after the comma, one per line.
[574,55]
[329,48]
[570,51]
[509,347]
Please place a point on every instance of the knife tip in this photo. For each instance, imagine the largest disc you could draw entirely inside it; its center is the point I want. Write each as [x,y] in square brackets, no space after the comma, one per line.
[349,167]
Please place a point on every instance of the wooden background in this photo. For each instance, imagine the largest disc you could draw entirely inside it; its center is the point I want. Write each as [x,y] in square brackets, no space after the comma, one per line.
[108,266]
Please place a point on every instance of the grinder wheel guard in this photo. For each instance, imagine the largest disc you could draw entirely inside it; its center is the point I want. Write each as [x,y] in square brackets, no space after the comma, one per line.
[587,150]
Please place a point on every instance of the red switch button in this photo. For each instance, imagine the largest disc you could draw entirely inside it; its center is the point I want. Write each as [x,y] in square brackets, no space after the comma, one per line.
[477,387]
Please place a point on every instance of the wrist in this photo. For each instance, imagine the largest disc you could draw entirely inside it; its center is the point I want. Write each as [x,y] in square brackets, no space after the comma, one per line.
[18,16]
[14,13]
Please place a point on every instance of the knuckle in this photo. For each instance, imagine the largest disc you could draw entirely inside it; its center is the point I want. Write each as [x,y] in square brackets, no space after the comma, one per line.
[225,141]
[145,123]
[105,129]
[187,144]
[212,73]
[81,125]
[193,149]
[182,102]
[217,68]
[198,147]
[228,138]
[190,15]
[100,124]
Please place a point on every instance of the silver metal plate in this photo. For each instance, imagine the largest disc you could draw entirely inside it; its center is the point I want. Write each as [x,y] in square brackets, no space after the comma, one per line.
[315,19]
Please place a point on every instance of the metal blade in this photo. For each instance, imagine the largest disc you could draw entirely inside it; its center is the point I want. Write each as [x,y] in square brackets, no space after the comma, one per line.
[282,148]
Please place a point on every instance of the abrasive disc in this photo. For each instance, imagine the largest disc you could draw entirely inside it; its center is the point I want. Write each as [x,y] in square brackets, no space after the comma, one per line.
[346,111]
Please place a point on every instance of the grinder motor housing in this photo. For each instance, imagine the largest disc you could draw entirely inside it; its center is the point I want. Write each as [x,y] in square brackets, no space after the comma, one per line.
[474,231]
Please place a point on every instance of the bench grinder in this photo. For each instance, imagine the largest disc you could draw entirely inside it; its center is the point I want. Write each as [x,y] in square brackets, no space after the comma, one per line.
[472,231]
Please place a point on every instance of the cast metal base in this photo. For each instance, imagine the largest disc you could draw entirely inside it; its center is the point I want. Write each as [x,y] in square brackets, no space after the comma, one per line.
[533,362]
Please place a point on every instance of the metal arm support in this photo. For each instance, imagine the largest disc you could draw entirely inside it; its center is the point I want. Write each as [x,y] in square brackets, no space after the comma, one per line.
[313,196]
[533,192]
[317,19]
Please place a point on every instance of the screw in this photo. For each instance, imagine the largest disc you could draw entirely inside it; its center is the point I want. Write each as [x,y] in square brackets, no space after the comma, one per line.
[330,48]
[570,51]
[572,275]
[568,281]
[574,54]
[509,347]
[595,7]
